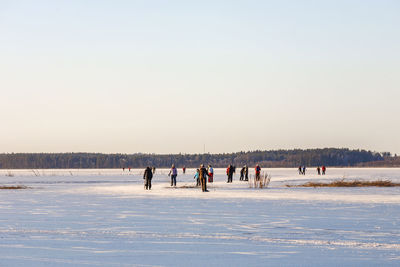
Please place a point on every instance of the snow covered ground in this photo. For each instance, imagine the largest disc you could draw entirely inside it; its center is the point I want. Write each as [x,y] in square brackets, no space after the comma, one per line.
[106,218]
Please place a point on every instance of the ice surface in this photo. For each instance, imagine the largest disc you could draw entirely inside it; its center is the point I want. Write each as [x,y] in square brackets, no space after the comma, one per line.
[106,218]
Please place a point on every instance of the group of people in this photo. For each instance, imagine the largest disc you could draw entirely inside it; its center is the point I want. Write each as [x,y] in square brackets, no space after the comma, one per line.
[323,168]
[302,170]
[201,175]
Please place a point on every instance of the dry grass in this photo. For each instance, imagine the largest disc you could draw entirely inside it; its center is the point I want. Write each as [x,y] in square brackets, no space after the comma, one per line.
[343,183]
[13,187]
[264,181]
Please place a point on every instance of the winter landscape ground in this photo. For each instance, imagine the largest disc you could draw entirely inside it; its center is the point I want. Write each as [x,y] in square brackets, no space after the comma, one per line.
[106,218]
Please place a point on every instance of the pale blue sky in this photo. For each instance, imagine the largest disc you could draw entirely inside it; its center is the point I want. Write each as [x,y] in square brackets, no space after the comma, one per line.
[170,76]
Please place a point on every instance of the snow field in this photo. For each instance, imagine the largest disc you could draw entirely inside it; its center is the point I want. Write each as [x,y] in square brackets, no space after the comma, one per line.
[106,218]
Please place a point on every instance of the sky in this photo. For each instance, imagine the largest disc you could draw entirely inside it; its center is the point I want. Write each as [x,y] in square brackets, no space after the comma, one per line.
[193,76]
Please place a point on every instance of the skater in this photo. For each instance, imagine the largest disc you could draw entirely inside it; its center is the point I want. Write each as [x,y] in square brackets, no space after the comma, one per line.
[184,169]
[258,172]
[154,170]
[319,170]
[246,173]
[304,170]
[210,174]
[323,170]
[242,173]
[203,178]
[229,172]
[173,173]
[197,177]
[147,176]
[300,170]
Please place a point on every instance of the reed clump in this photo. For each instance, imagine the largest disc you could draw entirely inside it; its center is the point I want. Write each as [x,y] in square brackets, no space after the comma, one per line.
[262,182]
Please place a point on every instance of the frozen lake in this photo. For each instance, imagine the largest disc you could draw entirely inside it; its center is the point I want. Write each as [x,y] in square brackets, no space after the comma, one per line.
[106,218]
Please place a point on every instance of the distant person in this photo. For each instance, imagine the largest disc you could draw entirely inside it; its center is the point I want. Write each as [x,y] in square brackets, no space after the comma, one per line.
[323,170]
[184,169]
[258,172]
[229,172]
[123,169]
[147,176]
[319,170]
[234,169]
[300,170]
[197,177]
[304,170]
[210,174]
[173,173]
[154,170]
[242,173]
[129,168]
[246,173]
[203,178]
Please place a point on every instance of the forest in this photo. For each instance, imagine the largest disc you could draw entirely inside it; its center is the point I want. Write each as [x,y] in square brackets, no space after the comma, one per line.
[339,157]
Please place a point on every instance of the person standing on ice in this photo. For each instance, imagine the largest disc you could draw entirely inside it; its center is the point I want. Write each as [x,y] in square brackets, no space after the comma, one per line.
[173,173]
[304,170]
[323,170]
[203,178]
[184,169]
[197,177]
[246,173]
[229,172]
[242,174]
[147,176]
[319,170]
[300,170]
[210,174]
[258,172]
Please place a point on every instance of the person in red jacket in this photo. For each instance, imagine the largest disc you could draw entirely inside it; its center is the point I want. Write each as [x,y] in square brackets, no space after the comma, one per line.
[258,172]
[229,172]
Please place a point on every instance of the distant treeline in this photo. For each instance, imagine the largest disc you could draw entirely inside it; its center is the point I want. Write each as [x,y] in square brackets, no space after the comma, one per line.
[274,158]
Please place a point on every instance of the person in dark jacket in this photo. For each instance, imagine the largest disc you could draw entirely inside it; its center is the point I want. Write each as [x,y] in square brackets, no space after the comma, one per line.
[242,173]
[258,172]
[147,176]
[229,172]
[203,178]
